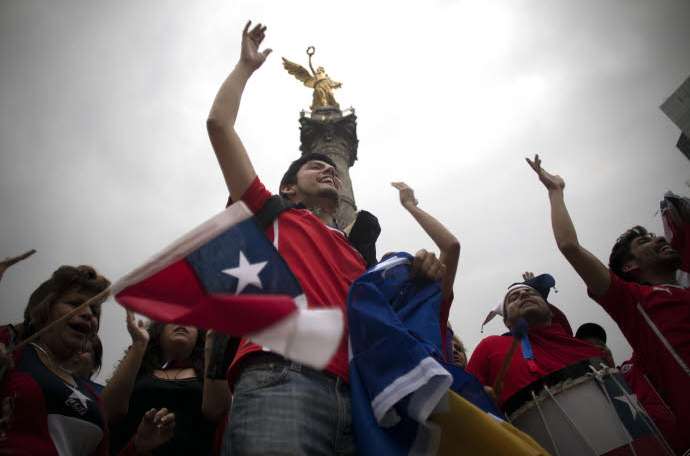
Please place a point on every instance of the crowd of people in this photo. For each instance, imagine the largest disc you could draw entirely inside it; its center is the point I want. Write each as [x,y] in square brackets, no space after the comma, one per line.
[166,395]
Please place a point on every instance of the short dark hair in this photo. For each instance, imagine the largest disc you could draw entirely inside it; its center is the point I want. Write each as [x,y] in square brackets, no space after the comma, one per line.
[620,253]
[591,331]
[290,176]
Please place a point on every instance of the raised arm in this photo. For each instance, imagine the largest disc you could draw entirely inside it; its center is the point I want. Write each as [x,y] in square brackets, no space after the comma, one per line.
[594,273]
[233,159]
[10,261]
[216,394]
[448,245]
[117,392]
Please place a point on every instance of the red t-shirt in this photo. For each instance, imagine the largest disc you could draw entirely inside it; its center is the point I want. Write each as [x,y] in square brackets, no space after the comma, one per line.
[655,406]
[668,307]
[322,260]
[553,350]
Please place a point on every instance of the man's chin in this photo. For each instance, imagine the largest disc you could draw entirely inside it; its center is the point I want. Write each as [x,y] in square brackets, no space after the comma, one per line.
[671,260]
[534,316]
[330,194]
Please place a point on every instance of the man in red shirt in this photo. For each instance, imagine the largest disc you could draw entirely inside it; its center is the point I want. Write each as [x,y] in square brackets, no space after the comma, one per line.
[281,407]
[642,296]
[549,338]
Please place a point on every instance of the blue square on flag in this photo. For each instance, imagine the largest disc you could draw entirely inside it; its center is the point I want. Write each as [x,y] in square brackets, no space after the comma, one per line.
[226,275]
[241,260]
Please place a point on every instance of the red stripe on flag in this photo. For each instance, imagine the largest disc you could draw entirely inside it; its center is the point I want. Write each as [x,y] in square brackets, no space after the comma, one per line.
[175,295]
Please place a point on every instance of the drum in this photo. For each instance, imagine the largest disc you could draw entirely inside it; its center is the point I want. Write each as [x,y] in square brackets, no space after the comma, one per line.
[585,409]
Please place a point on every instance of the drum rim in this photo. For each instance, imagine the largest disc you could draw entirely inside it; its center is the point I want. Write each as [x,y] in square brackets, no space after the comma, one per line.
[572,373]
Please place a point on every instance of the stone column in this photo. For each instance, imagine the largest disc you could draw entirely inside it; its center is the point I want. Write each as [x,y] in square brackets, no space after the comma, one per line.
[333,133]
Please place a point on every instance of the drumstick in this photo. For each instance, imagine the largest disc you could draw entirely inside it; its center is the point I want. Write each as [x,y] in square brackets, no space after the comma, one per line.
[518,332]
[102,296]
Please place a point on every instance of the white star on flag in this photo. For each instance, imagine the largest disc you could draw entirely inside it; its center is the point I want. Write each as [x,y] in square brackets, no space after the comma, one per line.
[631,403]
[246,273]
[78,396]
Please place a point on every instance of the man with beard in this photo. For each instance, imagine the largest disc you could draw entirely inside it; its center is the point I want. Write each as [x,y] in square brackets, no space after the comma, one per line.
[278,406]
[640,292]
[547,344]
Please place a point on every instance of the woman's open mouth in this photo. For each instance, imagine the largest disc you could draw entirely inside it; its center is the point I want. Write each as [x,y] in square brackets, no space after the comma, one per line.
[80,327]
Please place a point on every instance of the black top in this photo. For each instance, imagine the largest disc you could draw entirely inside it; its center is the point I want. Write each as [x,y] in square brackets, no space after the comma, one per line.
[193,434]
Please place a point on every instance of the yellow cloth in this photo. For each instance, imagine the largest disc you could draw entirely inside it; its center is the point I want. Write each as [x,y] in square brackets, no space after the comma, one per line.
[465,429]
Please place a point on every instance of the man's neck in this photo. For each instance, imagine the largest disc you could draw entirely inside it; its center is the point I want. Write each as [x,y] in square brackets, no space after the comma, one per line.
[323,215]
[539,324]
[660,278]
[323,208]
[56,352]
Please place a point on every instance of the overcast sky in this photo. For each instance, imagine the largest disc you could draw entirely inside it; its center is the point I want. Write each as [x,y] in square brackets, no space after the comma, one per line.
[105,157]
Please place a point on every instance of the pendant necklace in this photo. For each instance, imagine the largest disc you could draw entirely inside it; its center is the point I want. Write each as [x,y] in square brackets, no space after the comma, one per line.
[51,359]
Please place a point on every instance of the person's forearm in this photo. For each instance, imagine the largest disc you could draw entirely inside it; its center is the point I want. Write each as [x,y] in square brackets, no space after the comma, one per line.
[227,102]
[592,271]
[438,233]
[448,245]
[117,392]
[216,399]
[561,223]
[234,162]
[216,394]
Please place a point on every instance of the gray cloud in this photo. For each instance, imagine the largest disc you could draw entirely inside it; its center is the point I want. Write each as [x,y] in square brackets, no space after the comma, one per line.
[105,157]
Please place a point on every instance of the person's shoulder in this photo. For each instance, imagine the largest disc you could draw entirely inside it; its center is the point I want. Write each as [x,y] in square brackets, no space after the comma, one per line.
[618,288]
[494,341]
[255,196]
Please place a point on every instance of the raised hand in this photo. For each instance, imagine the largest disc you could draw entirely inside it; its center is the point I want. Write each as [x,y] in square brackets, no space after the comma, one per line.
[406,194]
[552,182]
[10,261]
[156,428]
[527,276]
[426,265]
[251,40]
[137,330]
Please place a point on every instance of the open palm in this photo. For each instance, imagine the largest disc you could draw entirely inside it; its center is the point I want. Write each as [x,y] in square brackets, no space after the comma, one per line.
[137,330]
[251,40]
[406,194]
[156,428]
[550,181]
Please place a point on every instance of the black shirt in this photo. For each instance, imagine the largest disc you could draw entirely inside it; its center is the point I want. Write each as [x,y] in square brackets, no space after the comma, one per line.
[193,433]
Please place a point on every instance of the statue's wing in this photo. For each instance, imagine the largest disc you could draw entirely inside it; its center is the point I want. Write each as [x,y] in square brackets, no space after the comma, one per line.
[299,72]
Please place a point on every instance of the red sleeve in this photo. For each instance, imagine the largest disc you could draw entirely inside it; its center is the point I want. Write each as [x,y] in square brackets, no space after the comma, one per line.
[620,301]
[478,364]
[255,196]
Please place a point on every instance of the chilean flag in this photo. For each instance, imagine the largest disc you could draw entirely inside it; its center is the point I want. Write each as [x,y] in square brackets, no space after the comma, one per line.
[675,210]
[225,275]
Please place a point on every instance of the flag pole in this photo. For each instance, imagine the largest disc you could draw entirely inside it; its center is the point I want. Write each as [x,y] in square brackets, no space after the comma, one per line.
[498,384]
[518,331]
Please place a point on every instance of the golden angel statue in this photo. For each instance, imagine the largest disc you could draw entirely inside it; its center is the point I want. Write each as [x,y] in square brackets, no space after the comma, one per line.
[319,80]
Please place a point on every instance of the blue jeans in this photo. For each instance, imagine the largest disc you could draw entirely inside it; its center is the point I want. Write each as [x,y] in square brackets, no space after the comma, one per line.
[282,407]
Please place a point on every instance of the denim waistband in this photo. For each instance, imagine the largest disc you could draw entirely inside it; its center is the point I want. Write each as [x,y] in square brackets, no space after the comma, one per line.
[268,359]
